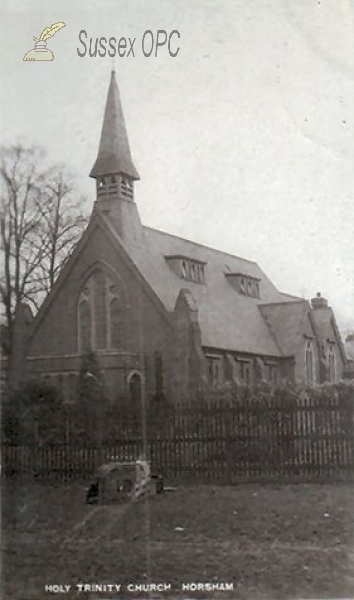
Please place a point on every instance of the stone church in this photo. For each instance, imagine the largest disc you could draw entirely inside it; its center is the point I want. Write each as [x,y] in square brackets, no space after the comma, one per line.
[164,313]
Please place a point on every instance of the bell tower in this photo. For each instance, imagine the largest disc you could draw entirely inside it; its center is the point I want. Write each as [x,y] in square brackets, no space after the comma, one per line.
[114,170]
[118,185]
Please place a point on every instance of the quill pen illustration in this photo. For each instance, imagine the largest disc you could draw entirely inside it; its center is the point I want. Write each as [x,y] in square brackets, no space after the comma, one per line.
[48,32]
[40,51]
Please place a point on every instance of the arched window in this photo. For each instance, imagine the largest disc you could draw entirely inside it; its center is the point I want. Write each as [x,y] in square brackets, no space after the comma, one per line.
[135,389]
[116,323]
[85,326]
[309,363]
[331,363]
[100,314]
[100,293]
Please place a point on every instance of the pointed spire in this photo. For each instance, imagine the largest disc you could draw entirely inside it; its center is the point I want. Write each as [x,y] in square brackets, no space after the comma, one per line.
[114,152]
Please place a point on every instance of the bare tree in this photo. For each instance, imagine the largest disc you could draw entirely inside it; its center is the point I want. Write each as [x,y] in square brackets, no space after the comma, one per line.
[62,224]
[41,221]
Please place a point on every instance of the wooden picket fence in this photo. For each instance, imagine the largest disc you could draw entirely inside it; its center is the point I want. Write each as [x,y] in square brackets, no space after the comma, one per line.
[310,439]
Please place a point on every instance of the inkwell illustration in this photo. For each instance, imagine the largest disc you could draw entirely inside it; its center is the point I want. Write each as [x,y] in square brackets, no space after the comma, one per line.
[40,50]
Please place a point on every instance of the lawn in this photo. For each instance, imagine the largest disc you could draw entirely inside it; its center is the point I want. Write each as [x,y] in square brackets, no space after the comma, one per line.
[291,541]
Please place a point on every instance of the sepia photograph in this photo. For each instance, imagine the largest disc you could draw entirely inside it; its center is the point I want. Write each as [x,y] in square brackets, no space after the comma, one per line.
[177,300]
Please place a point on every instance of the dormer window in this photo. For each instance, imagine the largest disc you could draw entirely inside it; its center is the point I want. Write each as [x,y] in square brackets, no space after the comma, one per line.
[247,285]
[184,271]
[189,269]
[192,271]
[200,275]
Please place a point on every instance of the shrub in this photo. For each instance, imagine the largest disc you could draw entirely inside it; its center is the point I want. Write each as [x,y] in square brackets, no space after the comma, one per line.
[33,413]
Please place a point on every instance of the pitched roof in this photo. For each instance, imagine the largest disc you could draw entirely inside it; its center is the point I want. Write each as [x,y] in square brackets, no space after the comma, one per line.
[326,326]
[285,320]
[323,320]
[97,220]
[349,349]
[114,151]
[228,320]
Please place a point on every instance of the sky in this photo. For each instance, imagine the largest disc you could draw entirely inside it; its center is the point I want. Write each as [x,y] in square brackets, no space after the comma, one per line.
[244,141]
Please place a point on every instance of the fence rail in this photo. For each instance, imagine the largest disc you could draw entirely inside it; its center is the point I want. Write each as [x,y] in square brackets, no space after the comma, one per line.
[307,440]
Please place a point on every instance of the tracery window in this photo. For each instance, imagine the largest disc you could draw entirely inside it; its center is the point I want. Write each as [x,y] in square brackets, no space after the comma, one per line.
[100,309]
[85,317]
[116,323]
[100,313]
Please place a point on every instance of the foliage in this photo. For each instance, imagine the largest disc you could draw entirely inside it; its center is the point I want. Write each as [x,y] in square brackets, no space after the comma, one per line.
[33,414]
[41,221]
[264,392]
[261,425]
[160,413]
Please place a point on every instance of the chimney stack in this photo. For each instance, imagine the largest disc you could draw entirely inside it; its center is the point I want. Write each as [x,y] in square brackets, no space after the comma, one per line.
[319,302]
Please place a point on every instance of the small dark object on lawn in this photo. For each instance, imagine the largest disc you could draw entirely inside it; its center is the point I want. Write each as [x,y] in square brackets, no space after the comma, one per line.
[92,493]
[157,480]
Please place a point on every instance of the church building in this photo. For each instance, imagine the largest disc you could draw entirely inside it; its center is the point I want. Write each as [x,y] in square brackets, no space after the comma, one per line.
[159,311]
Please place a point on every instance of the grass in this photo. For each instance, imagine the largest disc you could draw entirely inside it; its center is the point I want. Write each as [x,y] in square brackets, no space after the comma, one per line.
[291,541]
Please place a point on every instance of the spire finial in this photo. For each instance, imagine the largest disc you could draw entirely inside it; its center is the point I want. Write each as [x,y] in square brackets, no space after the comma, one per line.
[114,152]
